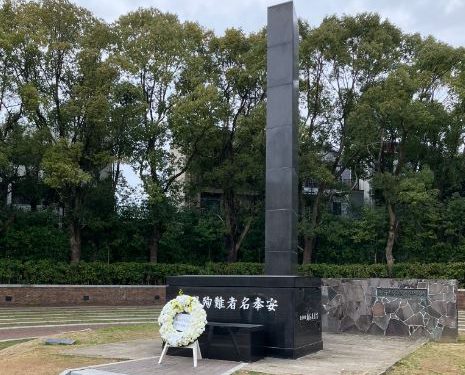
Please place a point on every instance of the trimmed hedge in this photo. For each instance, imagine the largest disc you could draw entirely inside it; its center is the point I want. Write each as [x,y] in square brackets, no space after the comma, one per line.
[95,273]
[47,272]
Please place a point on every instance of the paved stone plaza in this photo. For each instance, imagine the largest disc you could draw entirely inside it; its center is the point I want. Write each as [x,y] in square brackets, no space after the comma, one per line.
[342,354]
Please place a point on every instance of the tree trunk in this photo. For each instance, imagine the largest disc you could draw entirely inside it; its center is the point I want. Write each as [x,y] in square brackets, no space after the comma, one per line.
[3,193]
[231,238]
[74,228]
[309,240]
[154,243]
[391,237]
[34,203]
[114,183]
[231,246]
[4,226]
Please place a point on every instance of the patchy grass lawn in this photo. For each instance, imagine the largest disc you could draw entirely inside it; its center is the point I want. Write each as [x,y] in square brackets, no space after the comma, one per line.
[6,344]
[434,358]
[33,357]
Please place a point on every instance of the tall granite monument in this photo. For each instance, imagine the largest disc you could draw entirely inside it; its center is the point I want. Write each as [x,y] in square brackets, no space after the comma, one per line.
[287,306]
[282,117]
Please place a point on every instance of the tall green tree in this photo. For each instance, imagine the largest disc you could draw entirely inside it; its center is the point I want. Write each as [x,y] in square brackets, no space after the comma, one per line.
[158,55]
[65,83]
[230,158]
[339,60]
[410,126]
[11,108]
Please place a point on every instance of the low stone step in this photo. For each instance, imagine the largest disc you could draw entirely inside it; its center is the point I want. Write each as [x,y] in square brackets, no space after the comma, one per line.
[75,325]
[71,321]
[73,316]
[75,312]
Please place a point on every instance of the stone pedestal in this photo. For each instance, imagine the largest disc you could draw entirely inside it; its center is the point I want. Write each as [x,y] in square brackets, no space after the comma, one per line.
[289,307]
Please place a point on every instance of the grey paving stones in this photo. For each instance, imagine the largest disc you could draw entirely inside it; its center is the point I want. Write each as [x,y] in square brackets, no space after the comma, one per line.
[375,330]
[347,323]
[343,354]
[364,323]
[125,350]
[397,328]
[340,355]
[170,366]
[415,320]
[392,306]
[92,372]
[404,312]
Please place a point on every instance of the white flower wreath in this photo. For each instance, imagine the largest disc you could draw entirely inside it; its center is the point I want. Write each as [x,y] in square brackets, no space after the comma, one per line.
[182,304]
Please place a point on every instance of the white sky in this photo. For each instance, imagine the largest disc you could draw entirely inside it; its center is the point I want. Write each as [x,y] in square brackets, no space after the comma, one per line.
[444,19]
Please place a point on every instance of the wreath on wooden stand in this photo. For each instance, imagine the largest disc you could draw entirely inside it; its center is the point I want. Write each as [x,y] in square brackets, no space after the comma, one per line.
[182,320]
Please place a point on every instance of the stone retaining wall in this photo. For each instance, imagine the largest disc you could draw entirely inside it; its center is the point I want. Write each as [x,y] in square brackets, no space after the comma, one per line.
[376,306]
[62,295]
[461,299]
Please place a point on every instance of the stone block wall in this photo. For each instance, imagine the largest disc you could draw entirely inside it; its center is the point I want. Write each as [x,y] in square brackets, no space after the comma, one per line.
[63,295]
[376,306]
[461,299]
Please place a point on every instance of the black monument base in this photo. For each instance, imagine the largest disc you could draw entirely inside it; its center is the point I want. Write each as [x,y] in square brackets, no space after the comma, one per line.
[229,341]
[289,307]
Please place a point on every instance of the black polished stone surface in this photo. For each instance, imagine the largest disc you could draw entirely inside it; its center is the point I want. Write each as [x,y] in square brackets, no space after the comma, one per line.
[233,342]
[289,307]
[230,342]
[277,281]
[281,141]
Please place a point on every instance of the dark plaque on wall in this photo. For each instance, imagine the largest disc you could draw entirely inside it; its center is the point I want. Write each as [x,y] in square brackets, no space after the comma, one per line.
[402,293]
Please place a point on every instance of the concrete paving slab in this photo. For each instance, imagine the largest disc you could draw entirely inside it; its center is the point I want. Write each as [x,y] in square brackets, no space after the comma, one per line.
[170,366]
[92,372]
[133,349]
[343,354]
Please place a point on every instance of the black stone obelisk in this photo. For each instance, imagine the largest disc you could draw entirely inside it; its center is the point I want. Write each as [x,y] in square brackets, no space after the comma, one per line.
[292,328]
[282,118]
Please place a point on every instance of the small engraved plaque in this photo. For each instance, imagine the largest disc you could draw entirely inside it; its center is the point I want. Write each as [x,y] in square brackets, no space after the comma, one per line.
[182,322]
[402,293]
